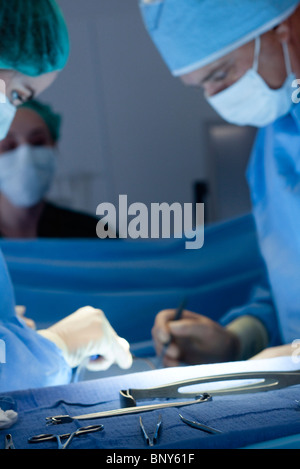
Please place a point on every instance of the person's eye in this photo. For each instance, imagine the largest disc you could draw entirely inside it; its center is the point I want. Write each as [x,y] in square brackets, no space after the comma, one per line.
[220,75]
[39,142]
[8,146]
[16,98]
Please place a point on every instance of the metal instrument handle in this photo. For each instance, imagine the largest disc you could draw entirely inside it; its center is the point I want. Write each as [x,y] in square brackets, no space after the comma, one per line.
[59,419]
[270,381]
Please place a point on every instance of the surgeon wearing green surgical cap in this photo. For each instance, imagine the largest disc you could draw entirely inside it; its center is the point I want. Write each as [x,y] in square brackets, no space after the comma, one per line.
[28,162]
[34,47]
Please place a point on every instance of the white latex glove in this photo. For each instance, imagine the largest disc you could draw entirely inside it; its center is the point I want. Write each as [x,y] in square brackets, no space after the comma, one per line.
[88,333]
[7,418]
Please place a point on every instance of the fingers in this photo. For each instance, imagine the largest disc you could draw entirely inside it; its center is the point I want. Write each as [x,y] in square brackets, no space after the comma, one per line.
[117,352]
[165,328]
[160,330]
[161,333]
[172,355]
[112,348]
[192,339]
[99,364]
[123,357]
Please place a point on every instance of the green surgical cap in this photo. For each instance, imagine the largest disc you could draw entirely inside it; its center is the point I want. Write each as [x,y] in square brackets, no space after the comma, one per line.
[52,119]
[34,36]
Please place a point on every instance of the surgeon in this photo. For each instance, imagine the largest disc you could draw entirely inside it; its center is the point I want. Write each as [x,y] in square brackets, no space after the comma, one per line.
[28,161]
[245,55]
[34,48]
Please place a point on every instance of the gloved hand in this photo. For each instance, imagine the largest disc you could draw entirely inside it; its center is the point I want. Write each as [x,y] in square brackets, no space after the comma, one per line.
[194,339]
[88,333]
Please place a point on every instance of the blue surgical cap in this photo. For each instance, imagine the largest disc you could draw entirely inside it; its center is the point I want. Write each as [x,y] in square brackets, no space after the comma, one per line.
[34,36]
[193,33]
[51,118]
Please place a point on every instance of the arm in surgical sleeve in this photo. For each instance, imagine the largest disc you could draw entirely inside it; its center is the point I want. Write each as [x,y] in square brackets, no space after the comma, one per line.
[255,323]
[252,334]
[7,299]
[28,360]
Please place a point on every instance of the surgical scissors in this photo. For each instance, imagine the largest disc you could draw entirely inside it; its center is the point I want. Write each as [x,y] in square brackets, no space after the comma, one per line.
[149,441]
[68,436]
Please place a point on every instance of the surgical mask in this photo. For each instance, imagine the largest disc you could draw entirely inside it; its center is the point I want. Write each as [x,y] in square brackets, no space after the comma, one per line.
[250,101]
[7,115]
[26,174]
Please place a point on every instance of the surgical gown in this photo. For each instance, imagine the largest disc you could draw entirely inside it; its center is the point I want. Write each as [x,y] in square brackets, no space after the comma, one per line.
[27,360]
[274,179]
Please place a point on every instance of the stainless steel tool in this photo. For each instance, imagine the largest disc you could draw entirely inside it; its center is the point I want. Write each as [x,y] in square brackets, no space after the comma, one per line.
[68,436]
[9,444]
[267,381]
[151,441]
[264,381]
[59,419]
[199,426]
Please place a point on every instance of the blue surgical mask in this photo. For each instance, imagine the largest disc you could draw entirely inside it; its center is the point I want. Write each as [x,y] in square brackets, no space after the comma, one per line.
[26,174]
[7,115]
[250,101]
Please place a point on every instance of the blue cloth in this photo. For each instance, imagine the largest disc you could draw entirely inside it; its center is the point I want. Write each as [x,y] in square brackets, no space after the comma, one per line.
[244,419]
[193,33]
[7,304]
[274,180]
[29,360]
[131,281]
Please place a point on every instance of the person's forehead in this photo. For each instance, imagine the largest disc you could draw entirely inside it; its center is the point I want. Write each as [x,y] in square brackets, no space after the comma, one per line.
[35,84]
[26,121]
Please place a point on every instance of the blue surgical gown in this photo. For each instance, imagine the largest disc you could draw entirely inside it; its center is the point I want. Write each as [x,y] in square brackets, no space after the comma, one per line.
[274,180]
[27,360]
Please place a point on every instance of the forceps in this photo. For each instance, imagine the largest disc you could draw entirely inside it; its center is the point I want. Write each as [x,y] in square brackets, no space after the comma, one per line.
[68,436]
[199,426]
[9,444]
[149,441]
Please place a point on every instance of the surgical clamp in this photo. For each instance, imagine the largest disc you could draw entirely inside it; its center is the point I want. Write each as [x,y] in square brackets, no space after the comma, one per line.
[268,381]
[59,419]
[9,444]
[68,436]
[149,441]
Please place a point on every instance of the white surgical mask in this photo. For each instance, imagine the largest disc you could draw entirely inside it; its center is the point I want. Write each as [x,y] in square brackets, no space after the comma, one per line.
[7,115]
[250,101]
[26,174]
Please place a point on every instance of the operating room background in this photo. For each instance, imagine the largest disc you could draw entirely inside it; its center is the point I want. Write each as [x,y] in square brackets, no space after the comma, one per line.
[130,128]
